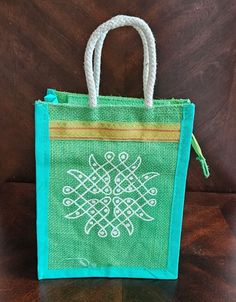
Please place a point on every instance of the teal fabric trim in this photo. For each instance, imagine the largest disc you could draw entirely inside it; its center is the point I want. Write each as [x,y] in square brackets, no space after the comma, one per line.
[108,272]
[179,188]
[42,183]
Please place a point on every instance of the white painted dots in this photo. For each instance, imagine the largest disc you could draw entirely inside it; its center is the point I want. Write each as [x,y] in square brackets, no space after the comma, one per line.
[153,191]
[102,233]
[67,190]
[106,190]
[118,180]
[109,156]
[123,156]
[152,202]
[116,200]
[67,202]
[129,188]
[106,199]
[115,233]
[106,178]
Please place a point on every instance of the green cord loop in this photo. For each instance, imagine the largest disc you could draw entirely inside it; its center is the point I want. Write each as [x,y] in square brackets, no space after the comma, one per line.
[200,157]
[204,166]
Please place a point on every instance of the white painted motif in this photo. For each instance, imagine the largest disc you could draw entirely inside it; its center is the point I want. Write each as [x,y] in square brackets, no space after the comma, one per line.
[111,195]
[82,261]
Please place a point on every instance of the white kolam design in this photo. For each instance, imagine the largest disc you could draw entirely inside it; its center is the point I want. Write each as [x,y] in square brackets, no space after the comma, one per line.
[111,196]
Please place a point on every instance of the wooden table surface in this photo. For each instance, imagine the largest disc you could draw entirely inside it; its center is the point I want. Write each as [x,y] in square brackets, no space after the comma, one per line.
[207,263]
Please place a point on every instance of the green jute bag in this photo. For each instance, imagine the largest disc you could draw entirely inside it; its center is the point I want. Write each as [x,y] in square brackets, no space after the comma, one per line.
[111,174]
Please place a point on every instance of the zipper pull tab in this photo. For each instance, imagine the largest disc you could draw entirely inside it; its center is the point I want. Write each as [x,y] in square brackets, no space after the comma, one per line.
[200,157]
[51,96]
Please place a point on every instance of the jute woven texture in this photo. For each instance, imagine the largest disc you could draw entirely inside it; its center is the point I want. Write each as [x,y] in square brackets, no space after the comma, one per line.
[147,246]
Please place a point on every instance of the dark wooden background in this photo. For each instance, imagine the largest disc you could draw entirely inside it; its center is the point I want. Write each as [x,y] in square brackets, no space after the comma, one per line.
[42,45]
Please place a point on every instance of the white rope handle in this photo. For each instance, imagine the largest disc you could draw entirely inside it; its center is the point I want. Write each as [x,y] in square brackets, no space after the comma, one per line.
[98,55]
[100,33]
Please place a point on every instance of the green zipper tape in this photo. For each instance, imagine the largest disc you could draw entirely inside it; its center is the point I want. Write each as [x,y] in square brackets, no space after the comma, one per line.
[200,157]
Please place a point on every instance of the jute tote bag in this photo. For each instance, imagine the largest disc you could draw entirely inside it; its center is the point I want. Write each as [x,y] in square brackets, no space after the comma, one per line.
[111,174]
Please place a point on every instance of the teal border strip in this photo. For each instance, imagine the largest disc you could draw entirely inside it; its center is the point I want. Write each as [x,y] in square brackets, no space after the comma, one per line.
[42,154]
[42,175]
[179,188]
[108,272]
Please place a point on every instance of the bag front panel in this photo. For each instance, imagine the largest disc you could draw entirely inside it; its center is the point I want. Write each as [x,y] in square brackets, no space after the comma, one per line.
[110,200]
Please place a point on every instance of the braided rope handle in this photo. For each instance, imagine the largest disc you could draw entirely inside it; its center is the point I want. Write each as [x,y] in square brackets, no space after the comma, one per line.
[98,55]
[98,36]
